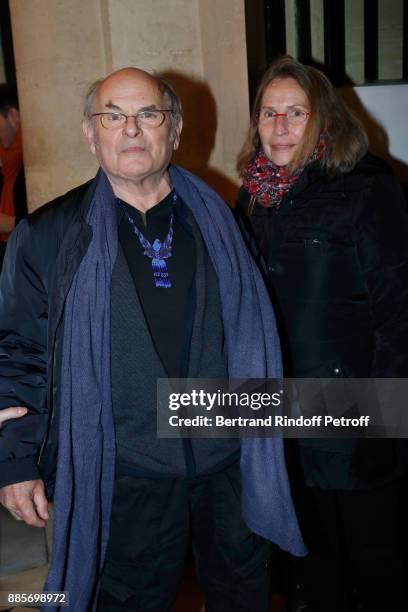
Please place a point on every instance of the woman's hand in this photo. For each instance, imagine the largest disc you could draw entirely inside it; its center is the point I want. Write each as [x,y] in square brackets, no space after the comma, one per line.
[11,413]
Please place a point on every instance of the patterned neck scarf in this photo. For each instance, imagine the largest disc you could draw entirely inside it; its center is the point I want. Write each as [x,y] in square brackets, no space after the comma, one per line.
[269,182]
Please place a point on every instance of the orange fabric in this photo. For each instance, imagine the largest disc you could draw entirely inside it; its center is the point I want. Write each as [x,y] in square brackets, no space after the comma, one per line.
[12,161]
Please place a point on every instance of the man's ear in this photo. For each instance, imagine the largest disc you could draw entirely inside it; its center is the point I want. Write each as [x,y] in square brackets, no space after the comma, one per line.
[89,133]
[178,130]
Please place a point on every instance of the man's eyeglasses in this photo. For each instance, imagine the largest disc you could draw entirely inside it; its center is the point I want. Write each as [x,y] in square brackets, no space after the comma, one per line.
[146,118]
[294,116]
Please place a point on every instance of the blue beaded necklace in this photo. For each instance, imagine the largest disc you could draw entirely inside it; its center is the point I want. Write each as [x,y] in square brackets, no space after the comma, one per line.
[158,252]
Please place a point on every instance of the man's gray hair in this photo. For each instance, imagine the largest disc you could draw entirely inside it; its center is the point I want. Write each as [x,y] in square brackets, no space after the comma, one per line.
[90,95]
[170,100]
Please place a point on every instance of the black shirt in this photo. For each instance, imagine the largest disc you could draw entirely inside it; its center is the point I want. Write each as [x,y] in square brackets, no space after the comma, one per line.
[168,311]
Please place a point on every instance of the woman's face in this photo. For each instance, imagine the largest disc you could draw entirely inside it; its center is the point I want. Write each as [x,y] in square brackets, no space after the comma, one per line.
[282,101]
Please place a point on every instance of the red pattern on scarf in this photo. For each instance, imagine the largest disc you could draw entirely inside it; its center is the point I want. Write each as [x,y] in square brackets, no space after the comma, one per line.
[11,161]
[269,182]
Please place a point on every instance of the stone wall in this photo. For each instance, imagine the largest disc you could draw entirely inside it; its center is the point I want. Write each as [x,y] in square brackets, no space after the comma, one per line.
[60,47]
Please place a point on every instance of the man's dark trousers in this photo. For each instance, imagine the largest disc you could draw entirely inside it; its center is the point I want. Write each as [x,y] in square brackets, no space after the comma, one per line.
[151,524]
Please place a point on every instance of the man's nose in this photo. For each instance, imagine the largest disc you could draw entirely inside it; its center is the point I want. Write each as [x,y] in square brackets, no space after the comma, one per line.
[132,127]
[280,124]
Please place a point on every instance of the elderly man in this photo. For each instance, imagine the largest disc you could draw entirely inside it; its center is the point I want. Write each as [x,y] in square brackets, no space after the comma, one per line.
[13,205]
[136,275]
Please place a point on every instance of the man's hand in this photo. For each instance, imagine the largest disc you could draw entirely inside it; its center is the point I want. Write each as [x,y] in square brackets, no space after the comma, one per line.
[26,501]
[11,413]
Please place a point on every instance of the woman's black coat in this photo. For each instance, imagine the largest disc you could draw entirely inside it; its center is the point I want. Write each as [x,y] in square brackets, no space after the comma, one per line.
[335,256]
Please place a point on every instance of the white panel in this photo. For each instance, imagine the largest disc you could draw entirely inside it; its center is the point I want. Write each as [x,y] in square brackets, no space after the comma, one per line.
[388,105]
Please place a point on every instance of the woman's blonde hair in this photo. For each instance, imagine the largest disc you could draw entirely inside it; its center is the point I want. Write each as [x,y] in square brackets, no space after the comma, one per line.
[345,137]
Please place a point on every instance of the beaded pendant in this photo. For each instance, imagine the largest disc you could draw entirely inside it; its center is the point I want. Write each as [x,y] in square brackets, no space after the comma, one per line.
[158,251]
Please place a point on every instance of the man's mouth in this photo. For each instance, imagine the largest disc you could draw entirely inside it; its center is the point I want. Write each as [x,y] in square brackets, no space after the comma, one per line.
[133,149]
